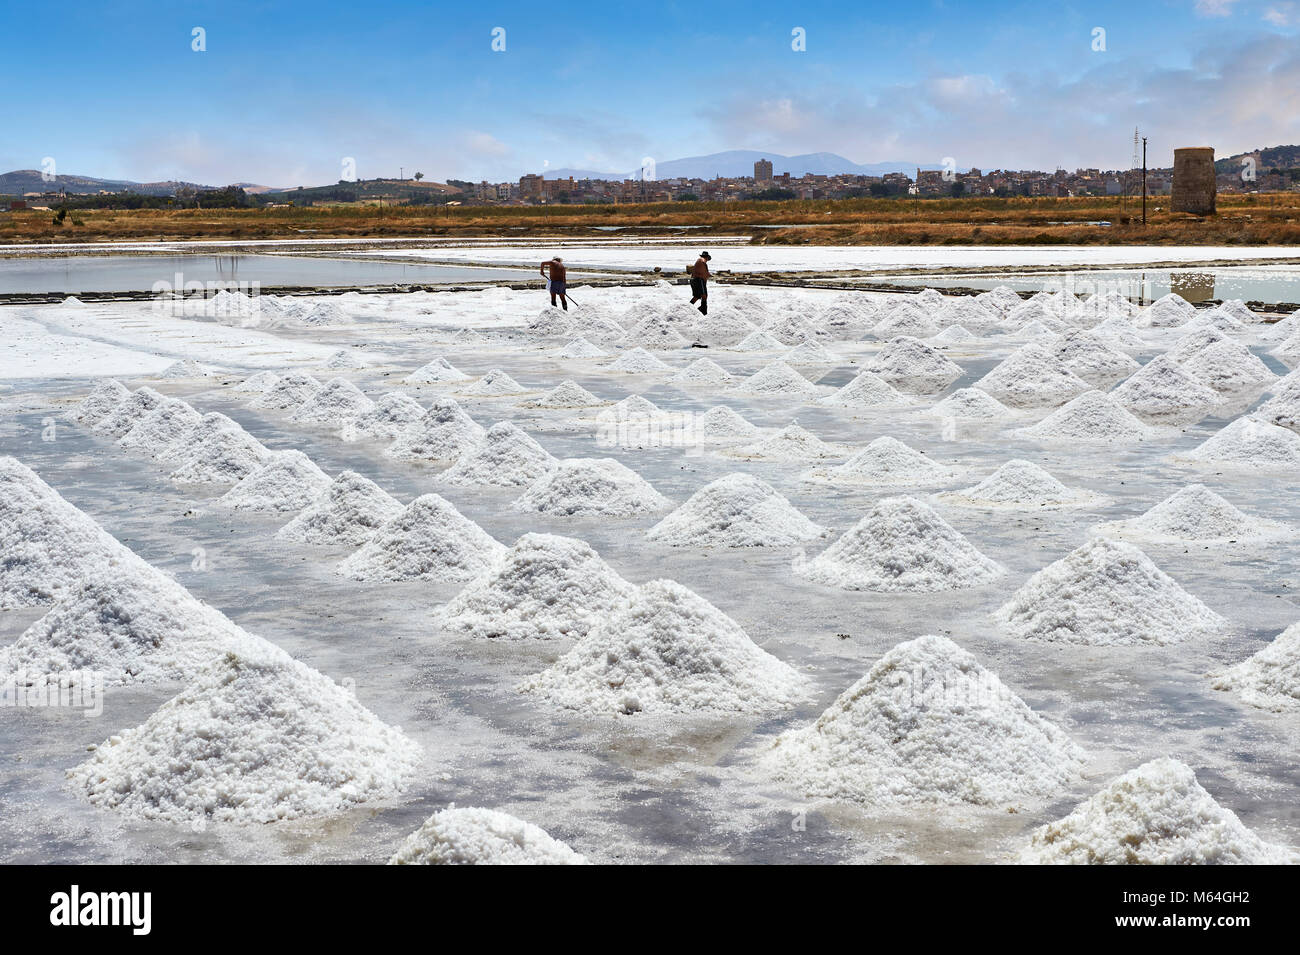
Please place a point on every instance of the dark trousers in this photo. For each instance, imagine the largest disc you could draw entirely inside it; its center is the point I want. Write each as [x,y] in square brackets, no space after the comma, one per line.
[700,293]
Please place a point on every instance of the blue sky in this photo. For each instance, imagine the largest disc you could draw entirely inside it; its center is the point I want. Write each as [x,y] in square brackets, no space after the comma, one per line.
[285,91]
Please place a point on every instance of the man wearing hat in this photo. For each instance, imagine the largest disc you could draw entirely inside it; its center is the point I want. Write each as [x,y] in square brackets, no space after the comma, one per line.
[555,284]
[700,282]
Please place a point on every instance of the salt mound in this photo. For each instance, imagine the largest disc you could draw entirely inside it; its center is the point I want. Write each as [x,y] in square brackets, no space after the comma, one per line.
[137,626]
[927,724]
[186,368]
[1119,333]
[1020,485]
[1227,366]
[885,462]
[914,366]
[544,586]
[966,311]
[703,372]
[777,378]
[971,403]
[102,401]
[551,322]
[1105,593]
[638,361]
[1161,388]
[257,737]
[1270,679]
[737,510]
[667,650]
[129,413]
[481,837]
[929,298]
[901,545]
[1194,514]
[427,540]
[720,425]
[809,353]
[1238,310]
[215,451]
[1219,320]
[581,348]
[722,329]
[1289,350]
[759,341]
[791,443]
[953,335]
[48,545]
[1168,311]
[289,392]
[791,329]
[393,413]
[347,513]
[1033,312]
[567,394]
[288,481]
[1000,300]
[437,371]
[1282,409]
[1249,443]
[590,487]
[256,384]
[1092,359]
[444,433]
[337,404]
[324,313]
[1157,814]
[865,391]
[904,318]
[506,457]
[658,333]
[1032,376]
[1094,417]
[631,407]
[1192,344]
[169,422]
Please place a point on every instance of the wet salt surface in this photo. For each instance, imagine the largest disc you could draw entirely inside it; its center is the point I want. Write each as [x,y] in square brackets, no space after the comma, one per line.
[640,789]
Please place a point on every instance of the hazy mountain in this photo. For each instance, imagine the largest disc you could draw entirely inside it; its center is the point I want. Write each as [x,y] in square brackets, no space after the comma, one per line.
[740,162]
[22,181]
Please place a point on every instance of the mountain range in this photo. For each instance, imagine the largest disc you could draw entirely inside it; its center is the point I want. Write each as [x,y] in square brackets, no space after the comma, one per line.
[740,162]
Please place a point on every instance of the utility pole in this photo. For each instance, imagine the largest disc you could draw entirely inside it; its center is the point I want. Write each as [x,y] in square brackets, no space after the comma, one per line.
[1144,182]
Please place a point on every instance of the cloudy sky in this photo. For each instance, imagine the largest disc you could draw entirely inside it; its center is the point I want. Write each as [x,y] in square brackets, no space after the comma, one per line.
[284,92]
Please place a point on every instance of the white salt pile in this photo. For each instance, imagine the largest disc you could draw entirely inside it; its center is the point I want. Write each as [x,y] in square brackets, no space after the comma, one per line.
[1163,388]
[393,413]
[287,393]
[128,624]
[1157,814]
[495,384]
[551,322]
[1119,333]
[337,404]
[913,366]
[185,368]
[759,340]
[901,545]
[953,335]
[217,450]
[102,401]
[631,408]
[638,361]
[904,318]
[791,329]
[436,372]
[257,737]
[1034,312]
[1283,409]
[721,425]
[1289,350]
[658,333]
[169,422]
[668,650]
[1194,514]
[1248,443]
[1020,486]
[506,457]
[721,329]
[1093,417]
[867,390]
[966,312]
[929,299]
[347,513]
[1092,358]
[809,352]
[737,510]
[885,462]
[1219,320]
[428,540]
[1032,376]
[927,724]
[1192,344]
[443,433]
[324,313]
[1229,367]
[48,545]
[1168,311]
[703,372]
[971,403]
[567,394]
[129,413]
[543,587]
[256,384]
[591,487]
[1105,593]
[777,379]
[791,443]
[581,348]
[1270,679]
[1000,300]
[481,837]
[288,481]
[343,361]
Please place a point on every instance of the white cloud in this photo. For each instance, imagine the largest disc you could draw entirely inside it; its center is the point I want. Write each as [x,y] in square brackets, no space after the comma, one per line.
[1215,8]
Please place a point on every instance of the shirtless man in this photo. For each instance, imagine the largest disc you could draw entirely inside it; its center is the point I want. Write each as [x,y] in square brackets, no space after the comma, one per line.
[700,282]
[555,284]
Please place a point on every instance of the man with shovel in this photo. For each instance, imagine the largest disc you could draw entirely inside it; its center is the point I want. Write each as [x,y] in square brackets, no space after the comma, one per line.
[555,280]
[700,282]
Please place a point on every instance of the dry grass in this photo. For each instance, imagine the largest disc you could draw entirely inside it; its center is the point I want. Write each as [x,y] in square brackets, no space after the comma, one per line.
[1269,219]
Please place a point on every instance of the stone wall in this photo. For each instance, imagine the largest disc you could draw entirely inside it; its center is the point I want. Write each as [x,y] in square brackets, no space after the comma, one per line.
[1194,185]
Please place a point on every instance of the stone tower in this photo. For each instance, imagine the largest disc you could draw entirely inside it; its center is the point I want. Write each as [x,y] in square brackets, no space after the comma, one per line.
[1194,186]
